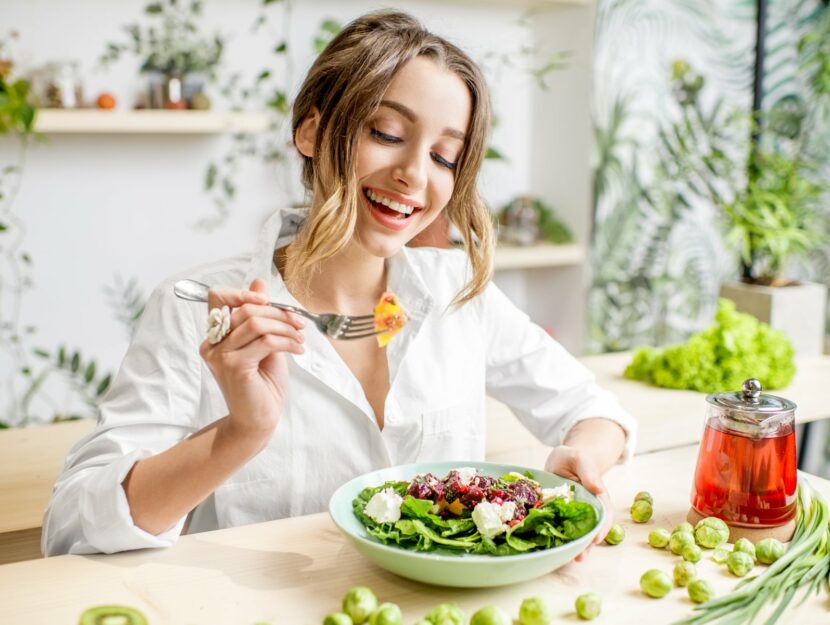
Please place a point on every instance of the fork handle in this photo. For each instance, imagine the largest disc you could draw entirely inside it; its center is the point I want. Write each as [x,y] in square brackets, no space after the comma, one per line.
[195,291]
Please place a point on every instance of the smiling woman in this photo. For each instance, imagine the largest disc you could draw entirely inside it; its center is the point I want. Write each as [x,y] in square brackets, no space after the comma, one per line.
[391,125]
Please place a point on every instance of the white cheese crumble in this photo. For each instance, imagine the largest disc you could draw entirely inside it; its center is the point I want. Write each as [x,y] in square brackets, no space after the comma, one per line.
[466,475]
[384,506]
[560,491]
[491,518]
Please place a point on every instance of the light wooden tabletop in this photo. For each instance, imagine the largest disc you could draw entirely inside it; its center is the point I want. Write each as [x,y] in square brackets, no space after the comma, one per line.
[31,458]
[295,571]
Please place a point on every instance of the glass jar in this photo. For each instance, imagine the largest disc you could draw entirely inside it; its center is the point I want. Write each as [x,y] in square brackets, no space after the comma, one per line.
[746,466]
[62,87]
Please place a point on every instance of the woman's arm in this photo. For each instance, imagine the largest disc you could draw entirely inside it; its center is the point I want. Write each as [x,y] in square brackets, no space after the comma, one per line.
[163,488]
[250,366]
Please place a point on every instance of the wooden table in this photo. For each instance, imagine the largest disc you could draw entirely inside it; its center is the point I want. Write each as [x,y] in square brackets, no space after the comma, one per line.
[294,571]
[31,458]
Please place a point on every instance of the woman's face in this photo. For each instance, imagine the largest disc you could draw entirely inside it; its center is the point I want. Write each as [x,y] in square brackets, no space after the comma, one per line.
[407,154]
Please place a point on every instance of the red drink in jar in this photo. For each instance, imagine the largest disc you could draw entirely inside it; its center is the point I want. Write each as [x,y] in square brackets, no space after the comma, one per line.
[746,466]
[746,481]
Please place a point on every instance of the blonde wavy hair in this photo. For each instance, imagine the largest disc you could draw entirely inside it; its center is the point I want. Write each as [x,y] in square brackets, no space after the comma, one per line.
[346,84]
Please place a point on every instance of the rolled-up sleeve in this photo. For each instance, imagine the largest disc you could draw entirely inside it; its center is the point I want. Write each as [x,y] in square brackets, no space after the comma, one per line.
[547,389]
[151,405]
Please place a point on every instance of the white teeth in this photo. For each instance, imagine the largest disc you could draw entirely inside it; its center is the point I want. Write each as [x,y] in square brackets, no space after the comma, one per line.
[397,206]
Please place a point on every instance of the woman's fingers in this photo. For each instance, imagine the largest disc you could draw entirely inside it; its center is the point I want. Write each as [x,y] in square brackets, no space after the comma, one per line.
[251,311]
[254,328]
[219,296]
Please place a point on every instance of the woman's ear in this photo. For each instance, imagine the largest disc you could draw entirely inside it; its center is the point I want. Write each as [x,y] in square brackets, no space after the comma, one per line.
[306,135]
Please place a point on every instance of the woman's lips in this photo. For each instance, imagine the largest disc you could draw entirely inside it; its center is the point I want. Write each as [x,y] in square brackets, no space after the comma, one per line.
[388,219]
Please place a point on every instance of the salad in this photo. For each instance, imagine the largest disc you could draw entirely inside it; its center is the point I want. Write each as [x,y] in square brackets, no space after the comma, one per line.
[467,511]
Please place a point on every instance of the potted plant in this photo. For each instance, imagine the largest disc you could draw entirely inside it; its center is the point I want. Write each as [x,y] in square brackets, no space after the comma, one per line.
[772,220]
[175,55]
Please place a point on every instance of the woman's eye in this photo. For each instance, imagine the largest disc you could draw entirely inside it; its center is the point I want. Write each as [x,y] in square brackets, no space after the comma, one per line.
[385,138]
[443,162]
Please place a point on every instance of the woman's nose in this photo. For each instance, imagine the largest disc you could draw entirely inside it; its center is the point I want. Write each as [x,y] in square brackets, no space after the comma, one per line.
[411,170]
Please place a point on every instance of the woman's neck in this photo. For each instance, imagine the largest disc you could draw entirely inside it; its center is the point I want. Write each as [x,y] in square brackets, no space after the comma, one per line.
[350,282]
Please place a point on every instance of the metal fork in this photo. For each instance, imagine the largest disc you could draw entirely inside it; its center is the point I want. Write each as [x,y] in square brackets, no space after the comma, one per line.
[343,327]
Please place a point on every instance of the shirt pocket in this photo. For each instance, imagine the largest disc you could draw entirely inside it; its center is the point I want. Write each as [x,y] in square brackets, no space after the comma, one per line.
[456,432]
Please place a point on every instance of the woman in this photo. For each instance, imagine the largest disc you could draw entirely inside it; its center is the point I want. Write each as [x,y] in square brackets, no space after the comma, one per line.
[267,420]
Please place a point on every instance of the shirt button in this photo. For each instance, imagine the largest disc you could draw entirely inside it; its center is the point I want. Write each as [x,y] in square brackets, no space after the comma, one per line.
[316,366]
[390,417]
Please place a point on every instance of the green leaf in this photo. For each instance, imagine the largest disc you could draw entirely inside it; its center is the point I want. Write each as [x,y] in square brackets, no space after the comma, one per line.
[89,374]
[103,385]
[154,9]
[279,102]
[493,154]
[263,75]
[26,258]
[4,425]
[210,177]
[3,227]
[61,356]
[75,363]
[41,353]
[281,48]
[267,2]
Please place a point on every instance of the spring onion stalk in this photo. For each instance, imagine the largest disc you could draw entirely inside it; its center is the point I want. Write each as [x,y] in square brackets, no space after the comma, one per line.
[805,564]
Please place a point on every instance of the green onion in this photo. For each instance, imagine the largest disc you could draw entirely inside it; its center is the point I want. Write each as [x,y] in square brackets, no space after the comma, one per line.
[805,564]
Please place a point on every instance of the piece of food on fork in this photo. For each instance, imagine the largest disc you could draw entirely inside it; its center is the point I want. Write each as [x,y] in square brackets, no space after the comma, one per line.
[390,318]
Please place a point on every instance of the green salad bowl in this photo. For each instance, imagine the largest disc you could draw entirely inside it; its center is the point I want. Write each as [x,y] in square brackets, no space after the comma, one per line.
[446,568]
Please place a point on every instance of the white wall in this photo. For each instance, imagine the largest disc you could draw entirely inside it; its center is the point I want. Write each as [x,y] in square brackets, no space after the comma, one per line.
[97,206]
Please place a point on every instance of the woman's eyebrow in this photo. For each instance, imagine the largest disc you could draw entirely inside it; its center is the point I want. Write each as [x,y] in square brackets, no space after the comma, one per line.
[411,116]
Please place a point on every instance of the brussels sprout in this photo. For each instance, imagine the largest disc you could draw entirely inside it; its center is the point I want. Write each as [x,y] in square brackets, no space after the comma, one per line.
[659,538]
[615,534]
[745,545]
[644,496]
[739,563]
[700,591]
[338,618]
[641,511]
[769,550]
[679,541]
[719,555]
[446,614]
[359,603]
[684,572]
[386,614]
[588,606]
[691,553]
[684,527]
[491,615]
[535,611]
[655,583]
[711,532]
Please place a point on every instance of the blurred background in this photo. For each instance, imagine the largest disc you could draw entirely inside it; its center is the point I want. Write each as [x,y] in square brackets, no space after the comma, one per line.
[644,154]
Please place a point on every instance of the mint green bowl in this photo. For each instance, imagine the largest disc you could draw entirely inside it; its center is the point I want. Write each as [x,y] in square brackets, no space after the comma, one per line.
[444,568]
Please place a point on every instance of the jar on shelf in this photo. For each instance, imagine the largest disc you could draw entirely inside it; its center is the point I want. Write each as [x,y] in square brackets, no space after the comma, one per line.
[62,87]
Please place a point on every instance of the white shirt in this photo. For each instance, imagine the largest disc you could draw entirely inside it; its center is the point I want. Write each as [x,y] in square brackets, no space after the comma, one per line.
[441,366]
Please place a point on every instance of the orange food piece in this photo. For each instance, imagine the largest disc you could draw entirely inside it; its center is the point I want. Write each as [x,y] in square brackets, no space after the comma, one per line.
[390,318]
[105,101]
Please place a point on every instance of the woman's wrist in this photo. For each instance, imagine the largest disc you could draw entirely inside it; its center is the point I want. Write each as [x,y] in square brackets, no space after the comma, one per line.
[243,436]
[600,438]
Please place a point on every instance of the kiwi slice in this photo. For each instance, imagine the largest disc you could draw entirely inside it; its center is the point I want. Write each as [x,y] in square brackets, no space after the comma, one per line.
[112,615]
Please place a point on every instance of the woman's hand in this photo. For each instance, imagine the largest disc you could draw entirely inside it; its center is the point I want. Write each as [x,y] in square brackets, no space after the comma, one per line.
[249,363]
[577,465]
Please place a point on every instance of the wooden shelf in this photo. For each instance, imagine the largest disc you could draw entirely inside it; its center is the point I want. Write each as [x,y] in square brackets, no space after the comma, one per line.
[94,121]
[540,255]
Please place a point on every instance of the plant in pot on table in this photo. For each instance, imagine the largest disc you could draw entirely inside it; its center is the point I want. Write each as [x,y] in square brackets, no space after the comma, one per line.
[774,219]
[177,58]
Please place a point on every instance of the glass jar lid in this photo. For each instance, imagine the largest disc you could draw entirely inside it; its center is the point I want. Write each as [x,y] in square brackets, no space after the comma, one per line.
[750,401]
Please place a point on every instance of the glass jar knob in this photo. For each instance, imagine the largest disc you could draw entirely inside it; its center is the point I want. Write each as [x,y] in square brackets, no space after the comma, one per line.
[751,390]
